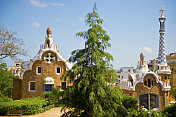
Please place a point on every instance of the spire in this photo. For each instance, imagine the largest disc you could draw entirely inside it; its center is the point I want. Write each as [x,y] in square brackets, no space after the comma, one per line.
[49,41]
[162,55]
[49,38]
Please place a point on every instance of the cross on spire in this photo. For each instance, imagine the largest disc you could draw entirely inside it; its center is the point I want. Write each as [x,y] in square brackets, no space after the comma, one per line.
[49,58]
[162,9]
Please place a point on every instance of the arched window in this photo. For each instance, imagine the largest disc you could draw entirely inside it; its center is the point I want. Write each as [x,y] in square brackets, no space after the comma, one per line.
[149,83]
[165,77]
[48,43]
[145,83]
[152,83]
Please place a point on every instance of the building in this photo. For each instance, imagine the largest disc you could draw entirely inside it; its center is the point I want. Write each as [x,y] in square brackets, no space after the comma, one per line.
[122,74]
[171,61]
[42,73]
[150,87]
[16,69]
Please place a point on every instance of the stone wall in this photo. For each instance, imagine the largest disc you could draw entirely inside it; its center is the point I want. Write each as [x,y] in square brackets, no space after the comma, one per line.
[48,70]
[140,89]
[17,86]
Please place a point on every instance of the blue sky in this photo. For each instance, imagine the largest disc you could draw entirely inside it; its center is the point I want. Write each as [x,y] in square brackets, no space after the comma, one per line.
[132,25]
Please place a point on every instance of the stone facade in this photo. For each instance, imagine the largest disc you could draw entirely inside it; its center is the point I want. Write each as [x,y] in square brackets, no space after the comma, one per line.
[16,69]
[42,73]
[147,84]
[171,61]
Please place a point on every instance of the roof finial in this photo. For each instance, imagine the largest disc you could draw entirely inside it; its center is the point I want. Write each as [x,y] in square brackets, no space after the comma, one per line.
[162,9]
[48,31]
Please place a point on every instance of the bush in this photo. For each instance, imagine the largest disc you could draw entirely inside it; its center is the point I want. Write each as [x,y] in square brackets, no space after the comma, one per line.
[129,102]
[29,106]
[143,113]
[169,111]
[53,97]
[5,99]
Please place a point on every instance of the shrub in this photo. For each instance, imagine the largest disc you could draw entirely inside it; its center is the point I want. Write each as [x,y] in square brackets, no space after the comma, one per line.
[169,111]
[53,97]
[28,106]
[5,99]
[143,113]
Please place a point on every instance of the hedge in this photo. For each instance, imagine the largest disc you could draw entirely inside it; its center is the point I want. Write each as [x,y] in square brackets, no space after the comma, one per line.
[29,106]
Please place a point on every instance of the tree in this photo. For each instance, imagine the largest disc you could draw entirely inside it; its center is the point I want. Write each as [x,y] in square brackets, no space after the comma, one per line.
[10,45]
[129,102]
[6,81]
[90,95]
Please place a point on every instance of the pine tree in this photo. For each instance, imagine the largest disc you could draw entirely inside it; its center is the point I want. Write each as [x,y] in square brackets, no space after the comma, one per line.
[90,95]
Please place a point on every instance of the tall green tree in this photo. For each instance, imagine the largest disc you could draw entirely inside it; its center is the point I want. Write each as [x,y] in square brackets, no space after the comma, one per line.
[90,95]
[6,81]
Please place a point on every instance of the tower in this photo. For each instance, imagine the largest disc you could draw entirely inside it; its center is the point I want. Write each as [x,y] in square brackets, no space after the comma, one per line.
[49,38]
[49,41]
[162,55]
[162,68]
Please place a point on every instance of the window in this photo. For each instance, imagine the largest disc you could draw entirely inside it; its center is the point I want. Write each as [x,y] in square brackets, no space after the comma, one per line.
[170,83]
[49,58]
[152,83]
[149,83]
[145,83]
[172,69]
[48,87]
[48,43]
[32,86]
[165,77]
[149,101]
[58,70]
[63,85]
[39,70]
[17,65]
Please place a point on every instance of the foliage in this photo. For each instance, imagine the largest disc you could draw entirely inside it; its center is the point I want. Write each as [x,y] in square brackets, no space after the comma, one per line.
[5,99]
[90,95]
[173,91]
[142,113]
[6,81]
[28,106]
[53,97]
[169,111]
[10,45]
[129,102]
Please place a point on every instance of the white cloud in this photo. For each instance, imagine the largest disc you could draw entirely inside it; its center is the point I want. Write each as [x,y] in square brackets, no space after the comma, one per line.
[81,19]
[56,4]
[37,3]
[35,24]
[147,49]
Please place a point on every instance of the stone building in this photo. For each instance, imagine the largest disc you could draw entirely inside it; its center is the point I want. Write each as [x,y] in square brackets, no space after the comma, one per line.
[122,74]
[16,69]
[171,61]
[42,73]
[150,87]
